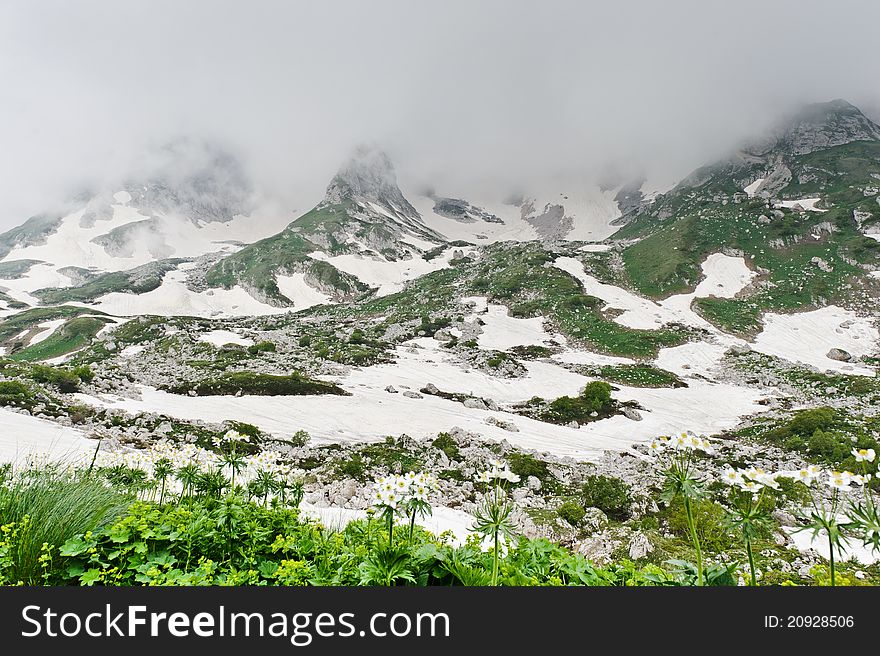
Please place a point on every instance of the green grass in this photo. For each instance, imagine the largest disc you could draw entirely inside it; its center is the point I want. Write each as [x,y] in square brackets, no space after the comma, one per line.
[71,336]
[138,281]
[18,323]
[57,507]
[257,384]
[640,375]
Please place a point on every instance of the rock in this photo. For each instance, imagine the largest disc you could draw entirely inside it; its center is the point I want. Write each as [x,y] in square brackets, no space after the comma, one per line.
[572,424]
[413,395]
[502,423]
[631,413]
[597,549]
[640,546]
[839,354]
[763,219]
[491,405]
[475,404]
[533,483]
[822,264]
[390,389]
[739,349]
[430,388]
[784,518]
[520,494]
[595,520]
[349,489]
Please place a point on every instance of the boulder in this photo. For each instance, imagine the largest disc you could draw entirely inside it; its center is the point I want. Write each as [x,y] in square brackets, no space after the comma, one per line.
[839,354]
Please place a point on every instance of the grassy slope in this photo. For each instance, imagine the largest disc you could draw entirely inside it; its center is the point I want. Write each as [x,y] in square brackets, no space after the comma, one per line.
[73,335]
[667,258]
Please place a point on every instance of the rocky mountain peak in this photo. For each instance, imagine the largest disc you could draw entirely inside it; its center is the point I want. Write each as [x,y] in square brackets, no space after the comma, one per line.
[818,126]
[198,180]
[369,176]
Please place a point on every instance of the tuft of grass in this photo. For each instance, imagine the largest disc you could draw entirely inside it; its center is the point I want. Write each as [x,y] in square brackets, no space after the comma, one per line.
[49,507]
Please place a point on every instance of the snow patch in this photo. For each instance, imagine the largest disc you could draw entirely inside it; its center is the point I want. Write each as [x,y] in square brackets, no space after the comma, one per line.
[25,438]
[300,293]
[808,204]
[807,337]
[753,187]
[223,337]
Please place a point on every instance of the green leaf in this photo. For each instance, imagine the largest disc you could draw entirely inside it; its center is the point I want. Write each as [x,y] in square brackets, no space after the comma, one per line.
[90,577]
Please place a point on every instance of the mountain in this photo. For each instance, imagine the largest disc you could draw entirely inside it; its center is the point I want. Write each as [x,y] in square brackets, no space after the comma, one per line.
[801,204]
[362,235]
[191,201]
[391,328]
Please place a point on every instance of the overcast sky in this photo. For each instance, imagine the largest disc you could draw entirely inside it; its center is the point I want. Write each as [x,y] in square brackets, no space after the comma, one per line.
[463,94]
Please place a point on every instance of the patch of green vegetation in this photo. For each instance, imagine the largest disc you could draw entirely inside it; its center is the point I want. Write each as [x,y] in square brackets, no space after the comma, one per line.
[532,352]
[640,375]
[71,336]
[18,323]
[572,512]
[595,398]
[447,444]
[257,384]
[16,268]
[140,280]
[525,465]
[823,435]
[734,315]
[610,495]
[261,347]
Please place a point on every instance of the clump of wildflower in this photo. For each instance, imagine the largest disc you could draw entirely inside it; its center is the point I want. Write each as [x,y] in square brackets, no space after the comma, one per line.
[407,494]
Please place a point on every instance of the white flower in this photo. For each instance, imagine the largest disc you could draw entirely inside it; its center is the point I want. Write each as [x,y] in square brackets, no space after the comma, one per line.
[839,480]
[656,446]
[864,455]
[484,476]
[750,485]
[508,475]
[732,477]
[806,476]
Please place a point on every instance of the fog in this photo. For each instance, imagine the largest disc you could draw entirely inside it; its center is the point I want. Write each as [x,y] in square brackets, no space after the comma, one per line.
[465,96]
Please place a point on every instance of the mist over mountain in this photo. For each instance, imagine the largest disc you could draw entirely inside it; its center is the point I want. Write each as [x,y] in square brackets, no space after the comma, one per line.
[485,99]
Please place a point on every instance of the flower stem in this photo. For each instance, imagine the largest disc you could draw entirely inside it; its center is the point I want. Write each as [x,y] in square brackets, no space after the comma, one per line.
[495,560]
[751,562]
[412,523]
[831,554]
[696,540]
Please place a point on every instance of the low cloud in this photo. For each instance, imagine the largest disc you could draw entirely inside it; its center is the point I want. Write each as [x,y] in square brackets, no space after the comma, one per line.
[465,96]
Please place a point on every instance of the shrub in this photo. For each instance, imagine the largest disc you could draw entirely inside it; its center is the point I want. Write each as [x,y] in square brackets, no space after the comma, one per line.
[14,392]
[261,347]
[822,443]
[84,373]
[65,381]
[709,518]
[447,444]
[572,512]
[299,439]
[608,494]
[807,422]
[597,396]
